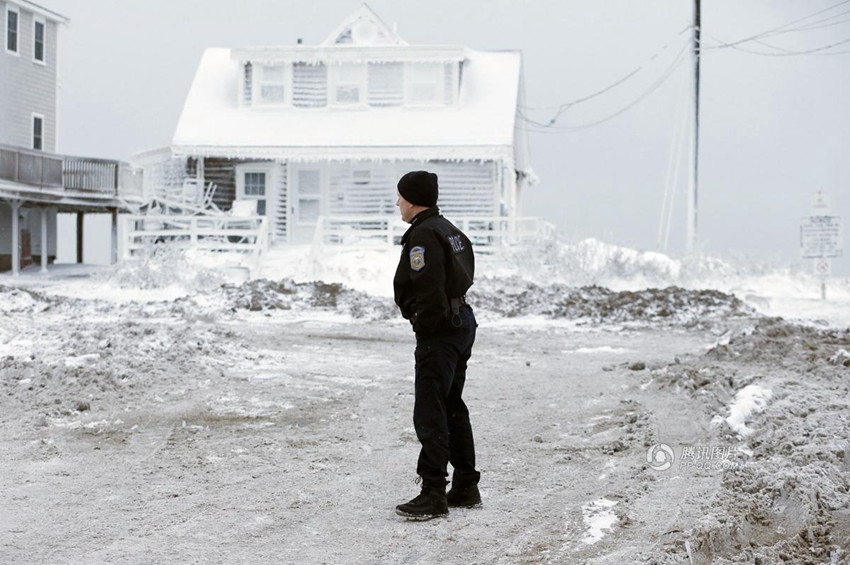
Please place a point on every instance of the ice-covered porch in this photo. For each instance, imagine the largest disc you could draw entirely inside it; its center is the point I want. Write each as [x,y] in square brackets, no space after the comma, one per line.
[316,197]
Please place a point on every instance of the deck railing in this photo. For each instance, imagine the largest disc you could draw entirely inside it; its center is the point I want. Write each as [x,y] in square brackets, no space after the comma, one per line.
[79,176]
[486,233]
[241,234]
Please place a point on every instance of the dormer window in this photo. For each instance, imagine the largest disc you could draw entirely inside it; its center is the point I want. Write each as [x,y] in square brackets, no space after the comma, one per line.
[425,83]
[272,84]
[309,85]
[353,85]
[349,84]
[362,64]
[386,84]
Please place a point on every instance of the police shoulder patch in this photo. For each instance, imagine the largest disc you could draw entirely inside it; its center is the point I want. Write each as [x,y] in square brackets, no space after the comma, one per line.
[417,258]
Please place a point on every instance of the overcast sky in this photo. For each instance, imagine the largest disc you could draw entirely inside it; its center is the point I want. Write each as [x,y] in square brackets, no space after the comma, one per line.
[774,128]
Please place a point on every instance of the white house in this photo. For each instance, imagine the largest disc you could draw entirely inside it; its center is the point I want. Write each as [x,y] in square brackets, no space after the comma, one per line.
[315,133]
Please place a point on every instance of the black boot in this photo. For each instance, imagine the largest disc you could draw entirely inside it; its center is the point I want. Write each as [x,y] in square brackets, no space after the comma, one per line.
[430,503]
[464,496]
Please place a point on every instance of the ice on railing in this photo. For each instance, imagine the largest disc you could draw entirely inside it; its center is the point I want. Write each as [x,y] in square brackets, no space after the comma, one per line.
[71,174]
[486,233]
[245,234]
[30,167]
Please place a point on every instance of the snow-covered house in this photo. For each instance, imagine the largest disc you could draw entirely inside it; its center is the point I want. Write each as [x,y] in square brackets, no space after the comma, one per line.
[35,183]
[313,133]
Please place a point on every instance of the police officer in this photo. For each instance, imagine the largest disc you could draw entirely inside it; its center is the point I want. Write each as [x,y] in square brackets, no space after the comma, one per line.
[435,270]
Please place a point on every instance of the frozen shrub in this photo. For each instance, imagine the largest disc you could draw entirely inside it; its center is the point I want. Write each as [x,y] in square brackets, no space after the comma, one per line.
[162,266]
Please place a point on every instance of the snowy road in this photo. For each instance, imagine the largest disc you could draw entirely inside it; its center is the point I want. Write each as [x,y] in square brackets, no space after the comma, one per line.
[291,441]
[152,414]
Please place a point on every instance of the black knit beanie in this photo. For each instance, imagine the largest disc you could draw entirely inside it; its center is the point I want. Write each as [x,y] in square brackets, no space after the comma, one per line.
[419,187]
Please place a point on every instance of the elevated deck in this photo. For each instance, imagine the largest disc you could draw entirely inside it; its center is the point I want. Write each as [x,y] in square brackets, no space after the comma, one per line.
[69,182]
[52,183]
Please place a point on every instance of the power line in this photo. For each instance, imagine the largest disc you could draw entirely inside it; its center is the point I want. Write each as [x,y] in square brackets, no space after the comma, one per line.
[787,52]
[539,127]
[779,30]
[551,127]
[815,25]
[567,105]
[561,108]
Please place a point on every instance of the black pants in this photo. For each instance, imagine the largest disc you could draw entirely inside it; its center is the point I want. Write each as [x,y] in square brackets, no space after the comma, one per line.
[440,416]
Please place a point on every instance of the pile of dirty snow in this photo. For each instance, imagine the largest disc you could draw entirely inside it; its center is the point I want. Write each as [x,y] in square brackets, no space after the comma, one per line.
[512,297]
[18,300]
[506,298]
[779,394]
[263,295]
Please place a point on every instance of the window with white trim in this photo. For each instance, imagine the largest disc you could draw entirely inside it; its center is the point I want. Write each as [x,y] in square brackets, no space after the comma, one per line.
[309,195]
[272,84]
[255,188]
[425,83]
[309,85]
[38,41]
[253,182]
[12,17]
[386,84]
[37,132]
[349,84]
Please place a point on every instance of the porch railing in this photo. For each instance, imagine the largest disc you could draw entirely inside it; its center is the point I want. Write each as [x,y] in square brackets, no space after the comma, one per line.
[486,233]
[35,168]
[79,176]
[246,234]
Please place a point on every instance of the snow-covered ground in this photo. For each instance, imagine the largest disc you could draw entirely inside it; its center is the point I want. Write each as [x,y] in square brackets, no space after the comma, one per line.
[173,410]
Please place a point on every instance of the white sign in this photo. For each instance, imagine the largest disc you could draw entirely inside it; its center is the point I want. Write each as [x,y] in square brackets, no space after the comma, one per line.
[823,266]
[821,236]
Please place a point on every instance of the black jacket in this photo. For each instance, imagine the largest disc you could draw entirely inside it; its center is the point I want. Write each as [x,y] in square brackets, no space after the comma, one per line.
[436,264]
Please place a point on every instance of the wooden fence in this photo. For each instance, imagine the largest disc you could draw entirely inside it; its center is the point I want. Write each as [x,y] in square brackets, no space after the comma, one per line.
[247,234]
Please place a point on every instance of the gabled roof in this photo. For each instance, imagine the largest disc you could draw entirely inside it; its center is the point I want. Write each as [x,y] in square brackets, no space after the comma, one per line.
[361,38]
[363,27]
[480,126]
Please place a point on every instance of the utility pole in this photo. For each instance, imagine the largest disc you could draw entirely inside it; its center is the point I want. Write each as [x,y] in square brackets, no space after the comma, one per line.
[693,184]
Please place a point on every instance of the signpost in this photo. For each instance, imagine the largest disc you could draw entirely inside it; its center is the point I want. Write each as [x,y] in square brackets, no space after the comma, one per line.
[821,238]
